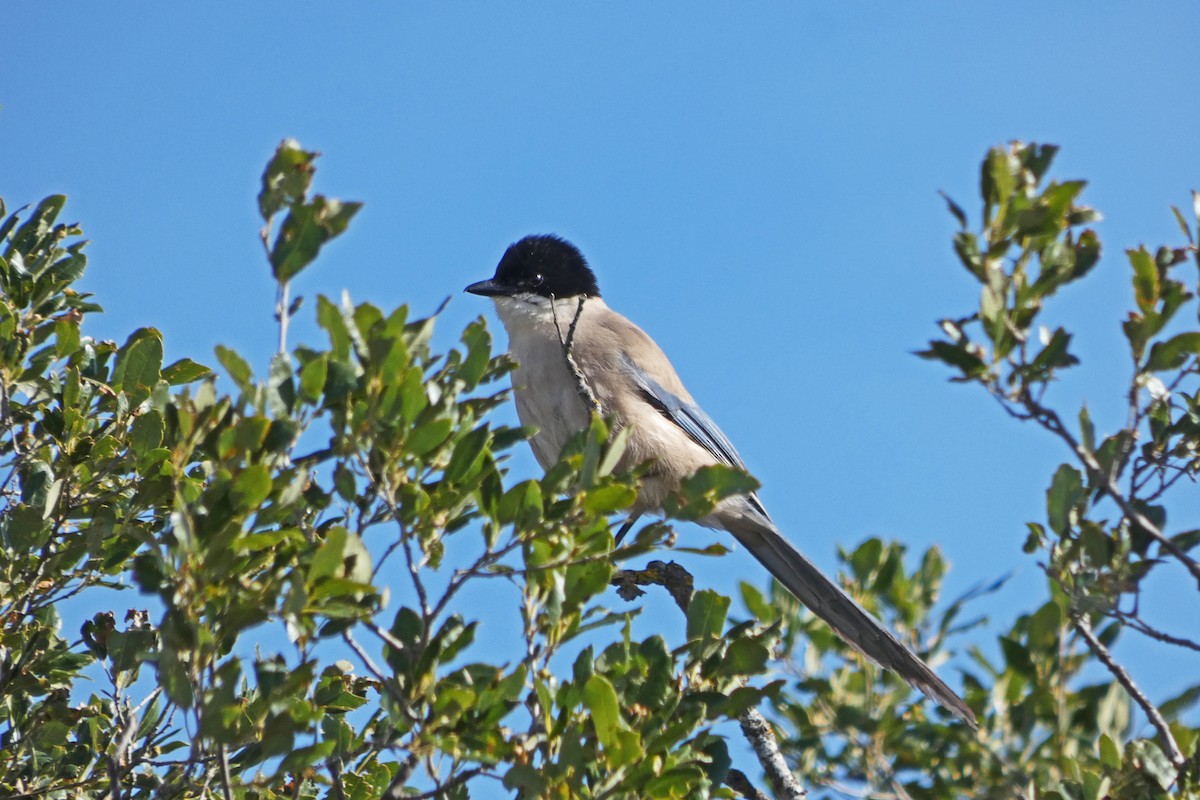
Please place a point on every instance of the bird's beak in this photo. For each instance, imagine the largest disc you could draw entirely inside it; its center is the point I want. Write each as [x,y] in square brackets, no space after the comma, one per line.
[489,288]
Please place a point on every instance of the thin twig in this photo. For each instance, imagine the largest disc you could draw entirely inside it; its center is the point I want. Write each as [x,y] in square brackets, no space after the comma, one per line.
[5,413]
[282,313]
[387,685]
[1154,633]
[45,790]
[1050,420]
[395,789]
[453,782]
[414,565]
[1152,713]
[335,778]
[590,403]
[223,762]
[736,779]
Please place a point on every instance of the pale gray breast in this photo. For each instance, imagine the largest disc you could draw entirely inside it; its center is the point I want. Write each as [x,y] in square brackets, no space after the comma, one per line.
[546,395]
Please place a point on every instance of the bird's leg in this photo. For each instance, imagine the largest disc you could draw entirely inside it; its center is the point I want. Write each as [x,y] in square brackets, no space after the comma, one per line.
[629,523]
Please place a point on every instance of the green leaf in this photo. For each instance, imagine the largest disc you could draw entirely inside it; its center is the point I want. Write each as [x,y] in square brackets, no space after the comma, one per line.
[1171,709]
[345,483]
[305,230]
[327,562]
[139,364]
[1054,355]
[1087,254]
[468,454]
[281,391]
[330,318]
[312,378]
[955,355]
[600,699]
[479,351]
[1154,762]
[1187,540]
[1087,430]
[527,779]
[1016,655]
[955,209]
[1044,627]
[1038,157]
[66,337]
[305,756]
[236,366]
[609,499]
[146,433]
[701,492]
[719,760]
[36,478]
[1110,753]
[1065,492]
[251,487]
[706,615]
[184,371]
[967,248]
[286,178]
[746,657]
[998,178]
[427,437]
[1146,286]
[1174,352]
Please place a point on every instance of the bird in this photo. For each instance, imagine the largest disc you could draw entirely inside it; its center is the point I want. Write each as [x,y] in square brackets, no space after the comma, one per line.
[575,355]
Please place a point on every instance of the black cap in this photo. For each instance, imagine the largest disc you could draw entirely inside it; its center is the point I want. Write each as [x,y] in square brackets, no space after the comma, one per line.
[545,265]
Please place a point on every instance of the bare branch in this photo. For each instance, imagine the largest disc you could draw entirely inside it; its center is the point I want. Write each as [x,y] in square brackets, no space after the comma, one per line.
[377,673]
[737,780]
[671,576]
[395,789]
[1156,719]
[223,762]
[762,739]
[1050,420]
[1137,624]
[453,782]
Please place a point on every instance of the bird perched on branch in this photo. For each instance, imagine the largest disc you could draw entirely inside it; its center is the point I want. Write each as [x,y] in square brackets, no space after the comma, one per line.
[574,355]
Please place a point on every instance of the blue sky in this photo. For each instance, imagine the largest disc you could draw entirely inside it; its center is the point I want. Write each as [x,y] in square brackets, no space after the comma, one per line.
[756,185]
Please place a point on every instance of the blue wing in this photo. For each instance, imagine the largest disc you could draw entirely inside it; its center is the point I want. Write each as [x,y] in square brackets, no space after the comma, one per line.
[690,418]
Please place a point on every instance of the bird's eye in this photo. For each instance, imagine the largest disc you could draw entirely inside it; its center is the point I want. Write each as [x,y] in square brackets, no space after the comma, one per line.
[538,279]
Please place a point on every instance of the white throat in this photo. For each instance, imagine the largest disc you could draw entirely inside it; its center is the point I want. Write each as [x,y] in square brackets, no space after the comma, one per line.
[532,314]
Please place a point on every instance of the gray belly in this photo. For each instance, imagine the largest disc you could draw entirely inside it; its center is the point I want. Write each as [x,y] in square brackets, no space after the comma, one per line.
[547,399]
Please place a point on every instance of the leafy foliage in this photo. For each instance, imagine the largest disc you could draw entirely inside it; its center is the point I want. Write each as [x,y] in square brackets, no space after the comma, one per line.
[1105,535]
[290,505]
[308,544]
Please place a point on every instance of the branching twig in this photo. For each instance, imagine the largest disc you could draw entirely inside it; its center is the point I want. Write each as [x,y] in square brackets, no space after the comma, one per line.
[1154,633]
[1050,420]
[676,580]
[387,685]
[1156,719]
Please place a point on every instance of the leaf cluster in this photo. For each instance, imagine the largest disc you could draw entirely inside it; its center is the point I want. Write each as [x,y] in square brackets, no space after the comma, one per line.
[302,544]
[1106,531]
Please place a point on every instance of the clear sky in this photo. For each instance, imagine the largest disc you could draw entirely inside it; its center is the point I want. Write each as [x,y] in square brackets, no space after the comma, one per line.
[755,184]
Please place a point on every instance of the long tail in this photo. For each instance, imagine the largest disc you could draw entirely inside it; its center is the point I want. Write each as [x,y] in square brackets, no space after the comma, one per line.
[849,620]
